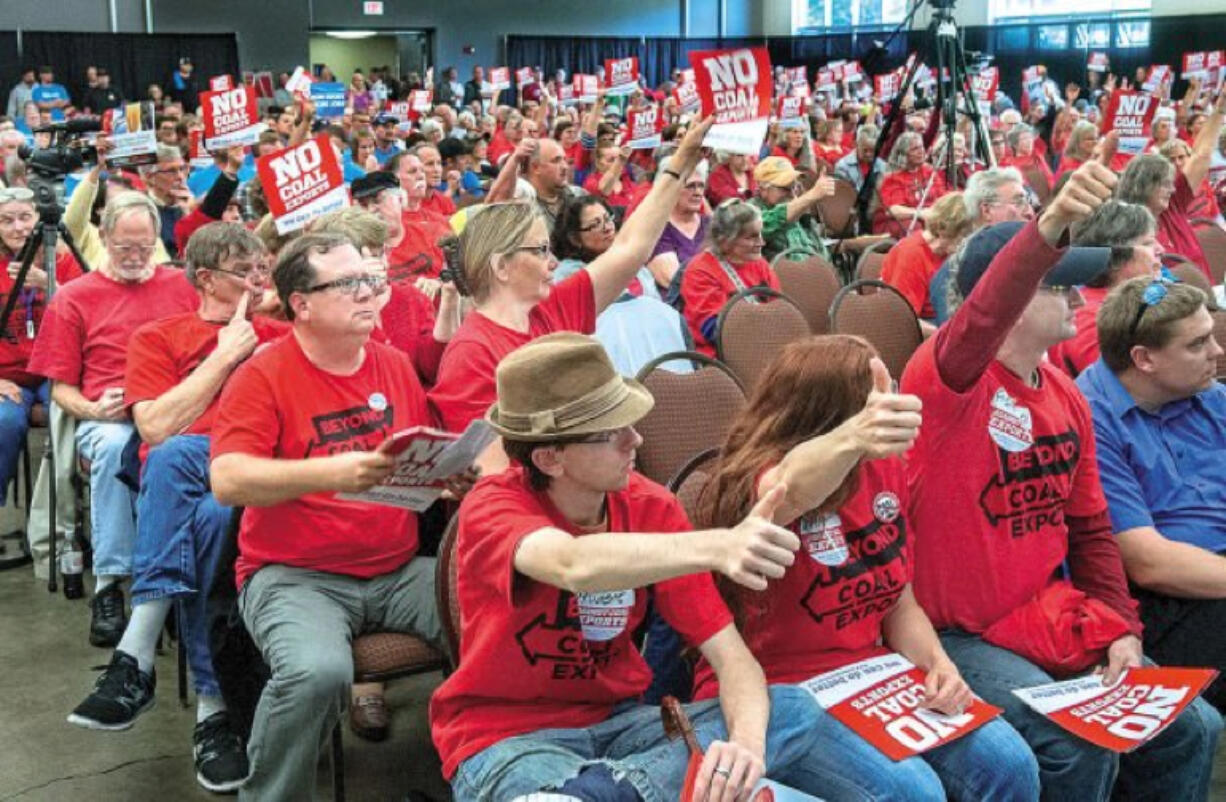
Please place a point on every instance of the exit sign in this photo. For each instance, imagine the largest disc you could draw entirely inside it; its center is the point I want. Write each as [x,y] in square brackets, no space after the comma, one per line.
[372,7]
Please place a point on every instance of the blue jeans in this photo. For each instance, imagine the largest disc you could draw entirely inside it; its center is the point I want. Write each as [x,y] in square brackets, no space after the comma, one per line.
[14,423]
[631,743]
[1175,765]
[112,507]
[180,529]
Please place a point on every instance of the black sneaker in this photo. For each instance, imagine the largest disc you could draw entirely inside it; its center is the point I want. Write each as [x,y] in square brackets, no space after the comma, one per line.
[221,760]
[108,620]
[121,694]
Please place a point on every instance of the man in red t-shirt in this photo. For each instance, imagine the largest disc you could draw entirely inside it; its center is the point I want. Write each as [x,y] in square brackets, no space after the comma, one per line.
[1005,497]
[175,371]
[302,421]
[416,255]
[438,198]
[554,575]
[82,348]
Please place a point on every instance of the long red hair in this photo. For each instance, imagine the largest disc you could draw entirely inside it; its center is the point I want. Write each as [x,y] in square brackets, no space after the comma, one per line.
[808,390]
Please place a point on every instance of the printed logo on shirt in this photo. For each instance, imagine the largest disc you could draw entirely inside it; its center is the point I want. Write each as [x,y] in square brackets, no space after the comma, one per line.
[823,537]
[1010,423]
[1029,491]
[348,429]
[559,641]
[869,582]
[377,402]
[419,265]
[886,507]
[603,616]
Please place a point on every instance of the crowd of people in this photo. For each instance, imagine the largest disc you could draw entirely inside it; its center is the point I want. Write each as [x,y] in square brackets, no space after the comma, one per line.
[507,257]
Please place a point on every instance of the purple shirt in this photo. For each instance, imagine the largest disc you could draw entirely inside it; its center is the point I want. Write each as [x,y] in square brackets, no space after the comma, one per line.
[675,241]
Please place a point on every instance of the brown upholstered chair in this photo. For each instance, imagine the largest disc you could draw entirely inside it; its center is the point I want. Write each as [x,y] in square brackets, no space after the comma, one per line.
[692,412]
[748,335]
[880,314]
[1190,273]
[446,596]
[812,283]
[1213,242]
[688,483]
[838,211]
[872,259]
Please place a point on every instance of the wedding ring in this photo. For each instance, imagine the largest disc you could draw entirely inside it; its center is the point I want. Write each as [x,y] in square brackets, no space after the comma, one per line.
[722,770]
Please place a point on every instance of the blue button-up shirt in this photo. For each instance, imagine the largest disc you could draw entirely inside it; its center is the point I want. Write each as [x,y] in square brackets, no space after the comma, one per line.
[1165,470]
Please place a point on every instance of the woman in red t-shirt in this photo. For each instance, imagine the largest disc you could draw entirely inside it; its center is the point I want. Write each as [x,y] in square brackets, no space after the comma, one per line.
[1079,149]
[825,425]
[732,262]
[911,186]
[910,265]
[19,389]
[1026,158]
[731,179]
[502,260]
[611,181]
[829,145]
[793,144]
[1204,203]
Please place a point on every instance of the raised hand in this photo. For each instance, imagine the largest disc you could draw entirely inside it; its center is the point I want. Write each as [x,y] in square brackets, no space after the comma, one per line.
[237,339]
[889,422]
[757,549]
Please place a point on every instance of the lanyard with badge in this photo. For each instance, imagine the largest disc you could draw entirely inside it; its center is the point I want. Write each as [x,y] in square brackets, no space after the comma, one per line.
[737,283]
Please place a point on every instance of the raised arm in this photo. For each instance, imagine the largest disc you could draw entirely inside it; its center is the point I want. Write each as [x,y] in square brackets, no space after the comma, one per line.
[613,269]
[503,187]
[1197,166]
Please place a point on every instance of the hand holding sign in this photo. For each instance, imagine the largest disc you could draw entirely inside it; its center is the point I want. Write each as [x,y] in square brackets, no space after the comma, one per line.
[889,422]
[1122,655]
[945,691]
[756,549]
[689,152]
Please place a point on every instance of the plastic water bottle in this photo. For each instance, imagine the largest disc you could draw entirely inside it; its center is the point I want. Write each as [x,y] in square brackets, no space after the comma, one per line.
[72,569]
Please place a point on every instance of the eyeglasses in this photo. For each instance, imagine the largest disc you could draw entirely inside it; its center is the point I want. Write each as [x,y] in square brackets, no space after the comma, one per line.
[352,285]
[244,275]
[9,194]
[597,224]
[541,251]
[182,169]
[1155,292]
[1020,202]
[124,251]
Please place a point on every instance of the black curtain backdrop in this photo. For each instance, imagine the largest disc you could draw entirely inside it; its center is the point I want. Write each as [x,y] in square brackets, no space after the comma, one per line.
[134,60]
[1014,47]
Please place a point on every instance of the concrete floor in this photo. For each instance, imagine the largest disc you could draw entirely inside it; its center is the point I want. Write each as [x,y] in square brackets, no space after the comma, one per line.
[47,668]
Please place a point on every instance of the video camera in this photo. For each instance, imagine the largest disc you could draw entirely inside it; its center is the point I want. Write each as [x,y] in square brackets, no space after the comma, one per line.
[69,151]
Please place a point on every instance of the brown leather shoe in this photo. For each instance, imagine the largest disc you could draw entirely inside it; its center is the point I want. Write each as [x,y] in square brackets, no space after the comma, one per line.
[368,717]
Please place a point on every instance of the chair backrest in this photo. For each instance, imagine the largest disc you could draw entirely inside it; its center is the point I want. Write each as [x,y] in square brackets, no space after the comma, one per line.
[1038,182]
[748,335]
[692,412]
[1213,242]
[446,593]
[868,267]
[1219,334]
[838,211]
[1190,273]
[689,482]
[812,283]
[880,314]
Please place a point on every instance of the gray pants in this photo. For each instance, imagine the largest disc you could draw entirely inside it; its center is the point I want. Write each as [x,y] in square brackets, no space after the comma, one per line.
[303,622]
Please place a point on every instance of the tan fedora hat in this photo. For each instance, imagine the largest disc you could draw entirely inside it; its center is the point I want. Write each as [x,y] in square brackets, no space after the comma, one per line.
[563,385]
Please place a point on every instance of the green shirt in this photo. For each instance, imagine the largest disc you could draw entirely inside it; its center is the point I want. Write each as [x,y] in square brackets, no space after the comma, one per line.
[802,235]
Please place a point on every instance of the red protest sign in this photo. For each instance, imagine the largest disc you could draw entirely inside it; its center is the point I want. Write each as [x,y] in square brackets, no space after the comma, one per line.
[790,109]
[880,700]
[986,83]
[230,118]
[852,71]
[1123,717]
[302,183]
[621,75]
[643,127]
[525,76]
[1158,74]
[686,97]
[299,84]
[500,77]
[1131,113]
[1198,65]
[1098,62]
[825,79]
[736,85]
[566,95]
[264,84]
[585,87]
[687,76]
[398,109]
[197,156]
[888,85]
[797,75]
[419,100]
[220,83]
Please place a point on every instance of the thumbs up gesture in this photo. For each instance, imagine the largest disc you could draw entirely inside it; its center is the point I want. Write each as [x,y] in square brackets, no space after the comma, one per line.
[756,549]
[889,422]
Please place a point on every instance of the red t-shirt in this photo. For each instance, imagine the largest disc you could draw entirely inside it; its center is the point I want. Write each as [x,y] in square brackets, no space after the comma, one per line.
[163,353]
[722,185]
[851,569]
[407,323]
[778,150]
[499,146]
[83,341]
[1175,230]
[905,188]
[1067,165]
[909,267]
[466,387]
[18,341]
[533,656]
[706,287]
[418,255]
[993,474]
[1034,162]
[829,153]
[577,155]
[279,405]
[1081,350]
[438,202]
[628,196]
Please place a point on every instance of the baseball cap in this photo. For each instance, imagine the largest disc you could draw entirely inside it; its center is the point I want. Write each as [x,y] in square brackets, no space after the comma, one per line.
[383,118]
[1078,266]
[775,171]
[372,184]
